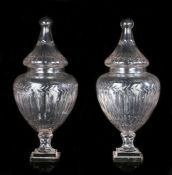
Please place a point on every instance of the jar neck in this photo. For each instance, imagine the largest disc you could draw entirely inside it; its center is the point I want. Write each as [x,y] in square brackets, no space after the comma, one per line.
[42,73]
[128,70]
[45,70]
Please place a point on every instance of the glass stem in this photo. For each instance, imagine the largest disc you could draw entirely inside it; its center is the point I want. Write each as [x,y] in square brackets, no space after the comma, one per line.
[128,141]
[45,137]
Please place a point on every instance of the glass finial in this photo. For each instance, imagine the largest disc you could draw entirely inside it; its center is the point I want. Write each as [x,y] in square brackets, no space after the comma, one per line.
[127,35]
[45,34]
[127,23]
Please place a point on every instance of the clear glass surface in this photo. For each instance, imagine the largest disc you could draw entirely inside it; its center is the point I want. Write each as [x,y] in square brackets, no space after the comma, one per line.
[127,93]
[45,94]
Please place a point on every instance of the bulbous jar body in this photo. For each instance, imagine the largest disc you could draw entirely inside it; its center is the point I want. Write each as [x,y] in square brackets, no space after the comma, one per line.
[45,98]
[128,100]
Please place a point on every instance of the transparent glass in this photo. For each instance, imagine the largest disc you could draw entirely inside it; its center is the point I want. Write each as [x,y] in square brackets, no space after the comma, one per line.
[127,93]
[45,94]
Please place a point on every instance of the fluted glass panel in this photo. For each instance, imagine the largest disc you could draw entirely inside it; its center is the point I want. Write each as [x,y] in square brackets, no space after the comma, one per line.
[128,101]
[45,103]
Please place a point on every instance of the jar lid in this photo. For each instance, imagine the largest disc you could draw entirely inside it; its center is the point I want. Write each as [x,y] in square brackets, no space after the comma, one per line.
[45,54]
[126,54]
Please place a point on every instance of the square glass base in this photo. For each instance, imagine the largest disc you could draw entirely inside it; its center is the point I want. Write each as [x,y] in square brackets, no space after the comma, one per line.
[37,156]
[128,160]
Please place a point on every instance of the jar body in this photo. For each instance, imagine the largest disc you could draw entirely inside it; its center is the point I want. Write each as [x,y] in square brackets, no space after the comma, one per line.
[45,97]
[128,99]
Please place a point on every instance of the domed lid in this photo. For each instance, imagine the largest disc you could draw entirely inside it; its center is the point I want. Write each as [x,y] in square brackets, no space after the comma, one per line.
[45,54]
[126,53]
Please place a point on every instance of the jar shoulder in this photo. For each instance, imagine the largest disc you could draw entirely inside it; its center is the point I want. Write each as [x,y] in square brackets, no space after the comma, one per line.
[62,79]
[62,76]
[110,78]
